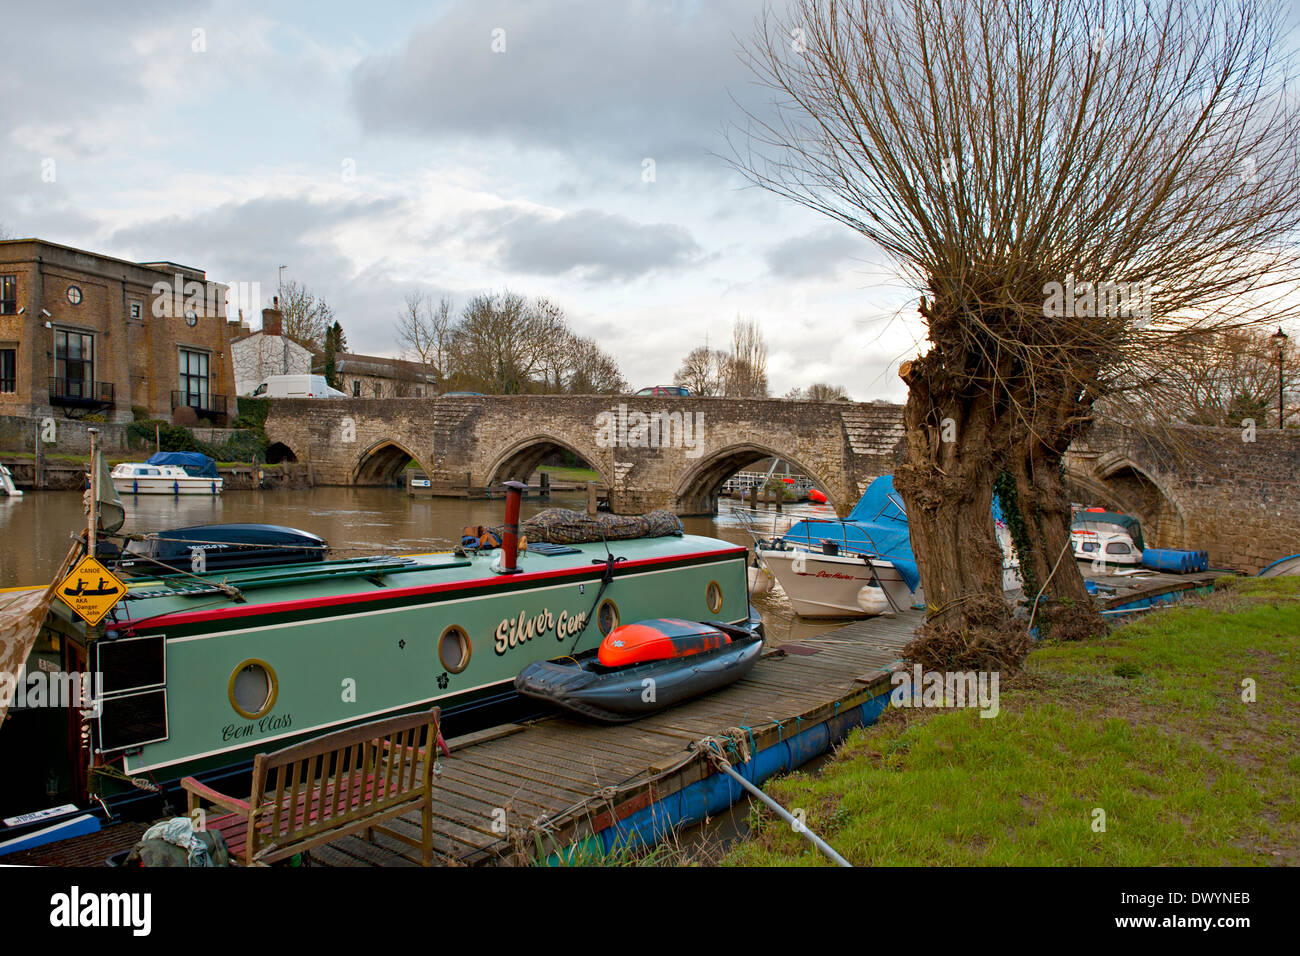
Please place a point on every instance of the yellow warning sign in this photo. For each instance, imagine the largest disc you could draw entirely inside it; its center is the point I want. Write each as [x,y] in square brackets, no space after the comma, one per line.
[91,590]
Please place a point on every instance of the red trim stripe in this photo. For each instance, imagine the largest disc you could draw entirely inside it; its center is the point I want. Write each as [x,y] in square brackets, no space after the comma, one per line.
[386,594]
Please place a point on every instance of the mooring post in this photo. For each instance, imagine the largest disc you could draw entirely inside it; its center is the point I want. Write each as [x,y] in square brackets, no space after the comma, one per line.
[591,498]
[38,459]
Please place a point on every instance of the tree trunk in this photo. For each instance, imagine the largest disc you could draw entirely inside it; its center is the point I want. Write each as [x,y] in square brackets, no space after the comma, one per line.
[950,460]
[1068,612]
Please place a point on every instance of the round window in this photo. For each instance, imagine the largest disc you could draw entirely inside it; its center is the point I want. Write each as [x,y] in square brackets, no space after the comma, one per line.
[253,689]
[74,295]
[454,649]
[607,616]
[191,317]
[713,596]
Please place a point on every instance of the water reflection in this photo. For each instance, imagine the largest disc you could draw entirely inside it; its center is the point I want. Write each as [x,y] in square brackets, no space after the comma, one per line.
[35,529]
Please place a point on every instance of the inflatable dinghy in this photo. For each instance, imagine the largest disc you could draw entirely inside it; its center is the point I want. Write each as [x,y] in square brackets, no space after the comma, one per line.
[643,668]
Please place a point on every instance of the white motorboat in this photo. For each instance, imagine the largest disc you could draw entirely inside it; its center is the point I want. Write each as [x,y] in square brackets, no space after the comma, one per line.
[142,478]
[1107,537]
[838,585]
[7,484]
[860,566]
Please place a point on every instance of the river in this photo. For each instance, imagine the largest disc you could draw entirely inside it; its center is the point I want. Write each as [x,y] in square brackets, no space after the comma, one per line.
[34,529]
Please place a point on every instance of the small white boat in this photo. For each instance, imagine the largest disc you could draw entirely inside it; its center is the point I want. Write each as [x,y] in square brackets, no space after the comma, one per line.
[142,478]
[7,484]
[1107,537]
[838,585]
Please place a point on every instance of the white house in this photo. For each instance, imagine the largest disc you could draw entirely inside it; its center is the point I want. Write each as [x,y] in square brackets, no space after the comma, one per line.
[267,352]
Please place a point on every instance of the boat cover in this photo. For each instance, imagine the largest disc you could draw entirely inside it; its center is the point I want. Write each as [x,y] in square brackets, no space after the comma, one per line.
[195,465]
[562,526]
[877,525]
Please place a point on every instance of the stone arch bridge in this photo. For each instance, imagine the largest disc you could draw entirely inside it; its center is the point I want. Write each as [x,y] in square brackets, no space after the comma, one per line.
[670,453]
[1205,488]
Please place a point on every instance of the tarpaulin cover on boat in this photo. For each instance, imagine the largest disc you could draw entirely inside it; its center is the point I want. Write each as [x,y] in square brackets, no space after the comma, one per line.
[22,612]
[562,526]
[877,526]
[195,465]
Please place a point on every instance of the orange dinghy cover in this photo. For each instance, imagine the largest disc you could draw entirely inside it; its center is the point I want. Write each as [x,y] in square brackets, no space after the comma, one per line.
[658,640]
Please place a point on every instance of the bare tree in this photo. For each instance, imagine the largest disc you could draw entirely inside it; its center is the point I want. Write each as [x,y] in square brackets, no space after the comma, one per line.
[306,317]
[4,232]
[1075,188]
[592,371]
[425,331]
[745,374]
[702,371]
[819,392]
[1221,379]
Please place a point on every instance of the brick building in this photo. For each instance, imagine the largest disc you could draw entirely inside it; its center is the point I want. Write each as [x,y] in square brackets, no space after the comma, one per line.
[268,351]
[83,333]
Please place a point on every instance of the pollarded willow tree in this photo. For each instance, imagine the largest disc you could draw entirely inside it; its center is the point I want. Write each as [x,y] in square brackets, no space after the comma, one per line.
[1075,188]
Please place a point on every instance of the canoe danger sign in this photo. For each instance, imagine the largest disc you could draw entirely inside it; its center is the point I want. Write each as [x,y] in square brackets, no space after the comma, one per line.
[91,590]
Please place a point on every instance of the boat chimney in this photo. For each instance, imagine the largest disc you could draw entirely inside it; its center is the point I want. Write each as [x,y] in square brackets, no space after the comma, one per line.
[510,533]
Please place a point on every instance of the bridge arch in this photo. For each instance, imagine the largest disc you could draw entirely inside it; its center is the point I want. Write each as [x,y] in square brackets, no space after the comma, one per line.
[697,491]
[382,463]
[521,458]
[1121,483]
[278,452]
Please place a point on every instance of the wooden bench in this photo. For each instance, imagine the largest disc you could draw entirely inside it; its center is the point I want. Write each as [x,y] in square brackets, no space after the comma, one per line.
[323,789]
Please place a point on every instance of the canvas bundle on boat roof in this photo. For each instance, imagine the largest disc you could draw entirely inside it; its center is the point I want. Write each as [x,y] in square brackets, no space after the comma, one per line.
[562,526]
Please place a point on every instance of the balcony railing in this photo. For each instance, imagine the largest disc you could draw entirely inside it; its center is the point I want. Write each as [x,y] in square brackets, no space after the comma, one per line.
[207,404]
[80,391]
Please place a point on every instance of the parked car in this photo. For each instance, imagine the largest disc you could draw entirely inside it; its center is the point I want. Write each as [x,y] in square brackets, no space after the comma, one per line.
[461,394]
[296,386]
[665,391]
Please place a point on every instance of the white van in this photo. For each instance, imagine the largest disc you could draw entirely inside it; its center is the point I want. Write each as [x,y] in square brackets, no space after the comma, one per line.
[296,386]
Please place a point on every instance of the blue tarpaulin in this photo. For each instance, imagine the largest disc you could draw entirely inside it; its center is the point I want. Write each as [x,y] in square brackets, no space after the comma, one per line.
[876,526]
[195,465]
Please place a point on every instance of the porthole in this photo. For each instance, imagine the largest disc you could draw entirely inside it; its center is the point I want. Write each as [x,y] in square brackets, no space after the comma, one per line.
[607,616]
[454,649]
[253,689]
[74,295]
[713,596]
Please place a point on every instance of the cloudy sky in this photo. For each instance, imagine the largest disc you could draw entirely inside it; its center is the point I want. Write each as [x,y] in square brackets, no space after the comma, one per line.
[567,149]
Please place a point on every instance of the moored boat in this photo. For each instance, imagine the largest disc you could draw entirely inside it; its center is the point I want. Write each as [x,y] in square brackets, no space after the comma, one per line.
[168,473]
[194,673]
[1107,537]
[643,668]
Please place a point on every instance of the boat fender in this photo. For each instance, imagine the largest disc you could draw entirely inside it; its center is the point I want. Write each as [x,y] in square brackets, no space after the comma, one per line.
[760,580]
[799,564]
[872,599]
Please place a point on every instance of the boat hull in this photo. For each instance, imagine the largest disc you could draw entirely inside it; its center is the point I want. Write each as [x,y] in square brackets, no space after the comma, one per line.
[169,486]
[826,586]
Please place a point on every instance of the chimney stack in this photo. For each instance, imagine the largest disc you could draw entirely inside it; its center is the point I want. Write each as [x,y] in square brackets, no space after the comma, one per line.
[273,320]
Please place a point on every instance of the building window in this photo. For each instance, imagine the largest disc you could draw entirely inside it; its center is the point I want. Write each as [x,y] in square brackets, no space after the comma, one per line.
[74,294]
[8,295]
[137,310]
[74,364]
[8,370]
[356,388]
[194,379]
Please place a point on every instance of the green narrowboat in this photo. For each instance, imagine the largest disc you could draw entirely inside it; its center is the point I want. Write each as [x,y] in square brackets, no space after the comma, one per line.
[194,674]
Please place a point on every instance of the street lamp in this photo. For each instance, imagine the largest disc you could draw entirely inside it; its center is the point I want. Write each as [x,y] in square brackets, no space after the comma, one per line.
[1281,338]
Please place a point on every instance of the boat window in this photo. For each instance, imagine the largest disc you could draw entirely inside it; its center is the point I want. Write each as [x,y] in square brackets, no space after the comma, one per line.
[454,649]
[253,689]
[1118,547]
[607,616]
[713,596]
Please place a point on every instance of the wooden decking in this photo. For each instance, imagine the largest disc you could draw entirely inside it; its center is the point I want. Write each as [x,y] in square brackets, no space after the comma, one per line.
[557,781]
